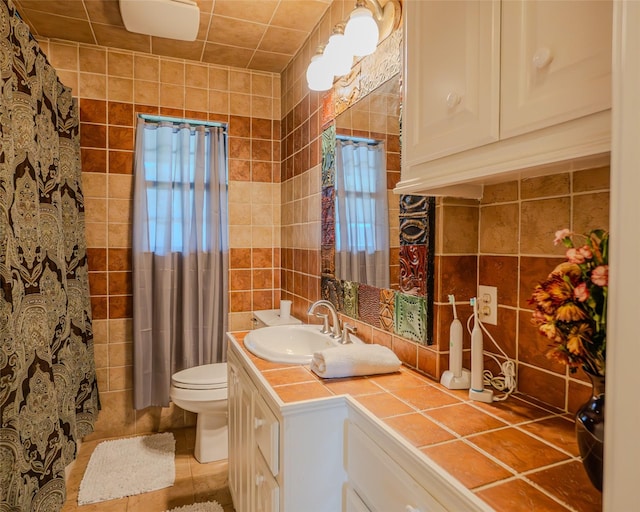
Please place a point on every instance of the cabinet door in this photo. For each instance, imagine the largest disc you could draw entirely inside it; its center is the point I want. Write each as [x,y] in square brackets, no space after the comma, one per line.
[556,62]
[241,442]
[381,482]
[451,86]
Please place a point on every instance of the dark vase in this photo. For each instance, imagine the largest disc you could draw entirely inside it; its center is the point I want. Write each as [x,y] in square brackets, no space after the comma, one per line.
[590,431]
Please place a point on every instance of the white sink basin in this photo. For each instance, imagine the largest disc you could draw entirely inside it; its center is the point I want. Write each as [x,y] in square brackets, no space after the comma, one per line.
[293,344]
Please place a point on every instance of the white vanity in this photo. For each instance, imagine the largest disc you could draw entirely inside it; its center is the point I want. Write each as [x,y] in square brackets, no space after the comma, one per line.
[324,455]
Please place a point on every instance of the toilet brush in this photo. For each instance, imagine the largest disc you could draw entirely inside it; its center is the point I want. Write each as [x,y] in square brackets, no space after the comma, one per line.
[455,377]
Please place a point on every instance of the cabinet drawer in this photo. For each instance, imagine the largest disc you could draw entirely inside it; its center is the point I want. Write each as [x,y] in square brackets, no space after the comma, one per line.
[266,432]
[267,492]
[381,482]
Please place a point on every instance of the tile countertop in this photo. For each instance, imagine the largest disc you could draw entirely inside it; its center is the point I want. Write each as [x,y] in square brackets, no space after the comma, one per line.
[515,455]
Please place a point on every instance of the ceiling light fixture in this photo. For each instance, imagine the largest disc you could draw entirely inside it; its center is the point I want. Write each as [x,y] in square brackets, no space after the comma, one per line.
[362,30]
[338,52]
[370,22]
[319,75]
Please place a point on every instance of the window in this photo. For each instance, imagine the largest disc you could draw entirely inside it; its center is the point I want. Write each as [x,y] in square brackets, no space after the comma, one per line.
[177,188]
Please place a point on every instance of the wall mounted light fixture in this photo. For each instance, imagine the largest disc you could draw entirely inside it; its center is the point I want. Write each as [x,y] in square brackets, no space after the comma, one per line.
[369,23]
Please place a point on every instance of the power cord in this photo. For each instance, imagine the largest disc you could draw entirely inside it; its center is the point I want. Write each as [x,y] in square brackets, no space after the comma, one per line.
[506,379]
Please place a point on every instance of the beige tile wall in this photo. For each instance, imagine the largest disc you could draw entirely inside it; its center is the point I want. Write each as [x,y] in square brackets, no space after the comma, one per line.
[528,214]
[112,85]
[506,240]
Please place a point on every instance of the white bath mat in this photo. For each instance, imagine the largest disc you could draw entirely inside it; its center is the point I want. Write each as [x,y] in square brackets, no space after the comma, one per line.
[126,467]
[207,506]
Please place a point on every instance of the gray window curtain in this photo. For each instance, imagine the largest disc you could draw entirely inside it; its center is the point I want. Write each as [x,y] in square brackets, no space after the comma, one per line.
[180,254]
[362,214]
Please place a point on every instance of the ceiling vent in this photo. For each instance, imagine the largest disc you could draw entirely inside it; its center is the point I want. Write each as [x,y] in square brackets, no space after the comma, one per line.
[173,19]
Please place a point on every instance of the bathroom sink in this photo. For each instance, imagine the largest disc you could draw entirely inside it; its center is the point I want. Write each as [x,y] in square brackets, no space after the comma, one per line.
[293,344]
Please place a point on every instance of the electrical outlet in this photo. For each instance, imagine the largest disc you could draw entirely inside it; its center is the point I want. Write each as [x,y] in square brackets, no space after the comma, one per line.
[488,304]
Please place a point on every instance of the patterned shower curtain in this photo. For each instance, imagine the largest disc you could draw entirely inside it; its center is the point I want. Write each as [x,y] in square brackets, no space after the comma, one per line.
[48,392]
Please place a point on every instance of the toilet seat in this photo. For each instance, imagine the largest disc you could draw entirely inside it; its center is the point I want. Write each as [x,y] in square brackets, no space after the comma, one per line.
[207,376]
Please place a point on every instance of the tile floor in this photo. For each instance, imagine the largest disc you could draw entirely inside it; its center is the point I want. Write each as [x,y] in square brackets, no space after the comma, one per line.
[194,483]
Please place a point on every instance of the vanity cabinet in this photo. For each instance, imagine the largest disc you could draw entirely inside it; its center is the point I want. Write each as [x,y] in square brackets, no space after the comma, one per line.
[386,474]
[325,454]
[495,87]
[282,457]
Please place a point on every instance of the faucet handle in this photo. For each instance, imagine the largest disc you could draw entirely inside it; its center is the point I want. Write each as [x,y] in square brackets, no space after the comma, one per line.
[346,330]
[325,323]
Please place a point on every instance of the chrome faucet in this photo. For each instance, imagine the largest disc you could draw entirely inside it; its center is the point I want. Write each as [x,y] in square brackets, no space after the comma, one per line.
[346,330]
[336,331]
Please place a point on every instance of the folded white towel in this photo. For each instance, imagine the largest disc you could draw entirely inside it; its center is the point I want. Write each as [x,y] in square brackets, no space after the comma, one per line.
[354,359]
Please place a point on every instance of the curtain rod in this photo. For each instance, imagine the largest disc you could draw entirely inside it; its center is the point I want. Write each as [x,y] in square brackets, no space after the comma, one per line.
[371,142]
[177,120]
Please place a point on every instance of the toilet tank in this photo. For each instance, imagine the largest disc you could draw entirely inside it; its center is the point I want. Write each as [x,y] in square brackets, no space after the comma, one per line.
[269,317]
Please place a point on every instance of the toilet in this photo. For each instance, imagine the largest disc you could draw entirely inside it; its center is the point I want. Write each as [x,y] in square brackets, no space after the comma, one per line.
[203,390]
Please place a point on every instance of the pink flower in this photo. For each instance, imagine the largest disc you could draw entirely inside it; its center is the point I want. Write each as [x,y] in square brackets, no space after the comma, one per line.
[574,256]
[561,235]
[585,251]
[581,292]
[600,275]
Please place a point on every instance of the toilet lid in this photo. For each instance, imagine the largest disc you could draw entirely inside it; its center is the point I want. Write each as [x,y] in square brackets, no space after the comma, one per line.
[207,376]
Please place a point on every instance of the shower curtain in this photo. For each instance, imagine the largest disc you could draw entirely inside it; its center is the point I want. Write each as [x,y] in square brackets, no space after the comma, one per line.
[180,254]
[48,392]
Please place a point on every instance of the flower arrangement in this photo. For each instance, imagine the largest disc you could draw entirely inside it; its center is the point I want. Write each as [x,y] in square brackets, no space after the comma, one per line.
[571,304]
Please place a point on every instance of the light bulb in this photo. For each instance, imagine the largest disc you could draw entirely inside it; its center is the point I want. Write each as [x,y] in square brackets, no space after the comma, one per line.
[338,54]
[319,75]
[362,32]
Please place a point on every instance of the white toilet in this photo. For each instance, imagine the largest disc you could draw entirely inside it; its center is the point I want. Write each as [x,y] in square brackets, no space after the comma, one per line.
[203,390]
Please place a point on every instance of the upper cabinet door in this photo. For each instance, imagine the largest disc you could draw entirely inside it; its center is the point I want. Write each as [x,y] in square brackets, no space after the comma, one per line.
[556,62]
[452,77]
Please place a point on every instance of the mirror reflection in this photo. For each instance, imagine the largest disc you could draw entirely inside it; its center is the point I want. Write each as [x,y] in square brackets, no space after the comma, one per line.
[367,168]
[362,219]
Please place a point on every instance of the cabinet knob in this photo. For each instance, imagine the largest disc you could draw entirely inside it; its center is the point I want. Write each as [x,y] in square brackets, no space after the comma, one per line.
[542,58]
[259,480]
[258,422]
[409,508]
[453,99]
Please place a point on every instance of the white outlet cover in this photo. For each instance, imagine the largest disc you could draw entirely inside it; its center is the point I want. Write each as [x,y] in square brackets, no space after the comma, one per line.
[492,304]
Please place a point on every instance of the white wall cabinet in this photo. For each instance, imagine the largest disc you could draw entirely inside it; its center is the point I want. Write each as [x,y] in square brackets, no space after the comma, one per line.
[452,77]
[556,63]
[497,87]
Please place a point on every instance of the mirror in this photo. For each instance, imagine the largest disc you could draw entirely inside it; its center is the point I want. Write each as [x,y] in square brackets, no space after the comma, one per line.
[367,168]
[366,107]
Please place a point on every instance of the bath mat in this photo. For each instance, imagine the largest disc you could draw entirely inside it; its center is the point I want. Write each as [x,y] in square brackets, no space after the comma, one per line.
[126,467]
[207,506]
